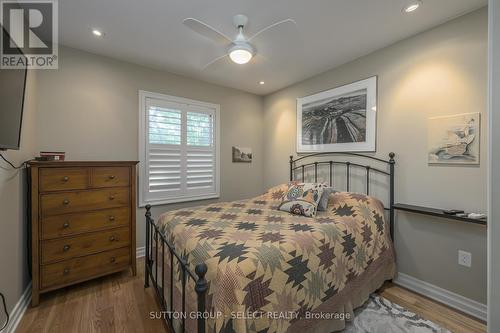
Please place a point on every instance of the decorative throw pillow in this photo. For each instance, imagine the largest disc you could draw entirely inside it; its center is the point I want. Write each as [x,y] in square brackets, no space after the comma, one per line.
[299,207]
[302,198]
[323,202]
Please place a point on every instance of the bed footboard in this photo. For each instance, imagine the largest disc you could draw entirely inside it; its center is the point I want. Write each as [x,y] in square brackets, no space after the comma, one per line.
[156,248]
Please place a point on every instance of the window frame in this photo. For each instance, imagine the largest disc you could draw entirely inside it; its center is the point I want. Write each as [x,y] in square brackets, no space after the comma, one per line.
[144,148]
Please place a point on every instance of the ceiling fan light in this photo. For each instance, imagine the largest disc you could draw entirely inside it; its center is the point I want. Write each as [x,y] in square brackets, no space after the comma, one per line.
[241,53]
[240,57]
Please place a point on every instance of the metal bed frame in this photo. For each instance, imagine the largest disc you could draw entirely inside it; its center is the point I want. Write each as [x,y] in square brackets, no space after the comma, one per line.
[390,164]
[157,245]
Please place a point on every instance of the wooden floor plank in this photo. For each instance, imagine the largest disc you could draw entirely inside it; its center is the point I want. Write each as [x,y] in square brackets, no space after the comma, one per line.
[116,303]
[446,317]
[119,303]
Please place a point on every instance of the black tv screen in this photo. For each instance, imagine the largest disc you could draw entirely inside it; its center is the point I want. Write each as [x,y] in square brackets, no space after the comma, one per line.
[12,86]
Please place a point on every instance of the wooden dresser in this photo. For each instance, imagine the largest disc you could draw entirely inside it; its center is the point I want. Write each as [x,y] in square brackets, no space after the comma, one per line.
[82,221]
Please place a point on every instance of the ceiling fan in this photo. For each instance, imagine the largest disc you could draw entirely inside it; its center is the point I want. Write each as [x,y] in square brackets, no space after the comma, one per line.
[240,49]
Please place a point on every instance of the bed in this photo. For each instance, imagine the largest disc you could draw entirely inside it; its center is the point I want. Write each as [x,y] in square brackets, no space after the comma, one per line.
[245,266]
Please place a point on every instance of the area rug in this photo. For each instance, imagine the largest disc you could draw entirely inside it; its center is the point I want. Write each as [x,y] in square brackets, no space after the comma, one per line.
[379,315]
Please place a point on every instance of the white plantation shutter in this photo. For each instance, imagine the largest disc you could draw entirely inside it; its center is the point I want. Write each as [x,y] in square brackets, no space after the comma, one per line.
[200,151]
[178,148]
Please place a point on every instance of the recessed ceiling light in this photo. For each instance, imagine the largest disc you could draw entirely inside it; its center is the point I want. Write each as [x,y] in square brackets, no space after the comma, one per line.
[97,32]
[261,82]
[412,6]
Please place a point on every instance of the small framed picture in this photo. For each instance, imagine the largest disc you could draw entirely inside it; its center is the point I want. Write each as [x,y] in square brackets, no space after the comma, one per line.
[454,139]
[242,155]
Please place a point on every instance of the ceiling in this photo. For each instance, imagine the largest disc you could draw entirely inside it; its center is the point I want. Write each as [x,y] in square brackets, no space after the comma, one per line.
[328,33]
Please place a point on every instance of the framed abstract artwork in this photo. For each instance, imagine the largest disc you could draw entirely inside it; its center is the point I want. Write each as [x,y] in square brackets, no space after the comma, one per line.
[454,139]
[342,119]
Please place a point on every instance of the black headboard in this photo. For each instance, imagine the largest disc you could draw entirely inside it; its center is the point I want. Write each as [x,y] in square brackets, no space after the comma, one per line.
[312,161]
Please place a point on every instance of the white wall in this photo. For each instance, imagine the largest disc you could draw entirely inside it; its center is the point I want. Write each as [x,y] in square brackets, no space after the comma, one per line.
[439,72]
[494,170]
[14,275]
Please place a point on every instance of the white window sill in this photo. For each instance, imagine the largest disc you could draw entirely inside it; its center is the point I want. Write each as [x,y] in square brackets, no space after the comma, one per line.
[179,200]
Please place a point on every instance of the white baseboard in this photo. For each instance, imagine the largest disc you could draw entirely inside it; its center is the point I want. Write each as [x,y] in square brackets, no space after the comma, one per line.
[140,252]
[444,296]
[18,311]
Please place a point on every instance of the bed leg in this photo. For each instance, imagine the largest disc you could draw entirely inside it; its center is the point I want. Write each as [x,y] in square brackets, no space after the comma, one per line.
[392,163]
[146,257]
[201,289]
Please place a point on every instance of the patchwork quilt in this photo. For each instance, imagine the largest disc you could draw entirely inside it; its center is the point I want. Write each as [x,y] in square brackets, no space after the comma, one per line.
[268,268]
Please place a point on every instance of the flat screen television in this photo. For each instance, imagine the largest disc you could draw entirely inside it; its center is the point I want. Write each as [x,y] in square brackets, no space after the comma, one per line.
[12,87]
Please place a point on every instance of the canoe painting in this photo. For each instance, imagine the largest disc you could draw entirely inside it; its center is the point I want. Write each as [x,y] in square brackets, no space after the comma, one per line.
[454,139]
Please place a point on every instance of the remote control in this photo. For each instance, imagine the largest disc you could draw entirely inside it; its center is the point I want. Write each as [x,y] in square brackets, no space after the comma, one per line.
[453,211]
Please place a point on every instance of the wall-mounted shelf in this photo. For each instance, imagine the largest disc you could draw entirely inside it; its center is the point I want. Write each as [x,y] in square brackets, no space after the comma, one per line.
[436,212]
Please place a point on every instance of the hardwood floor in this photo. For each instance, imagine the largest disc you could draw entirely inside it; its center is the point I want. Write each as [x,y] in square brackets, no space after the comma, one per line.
[119,303]
[441,314]
[115,303]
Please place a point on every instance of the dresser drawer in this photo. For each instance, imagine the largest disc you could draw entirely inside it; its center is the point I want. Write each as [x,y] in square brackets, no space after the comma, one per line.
[67,248]
[58,179]
[84,268]
[70,224]
[110,177]
[71,202]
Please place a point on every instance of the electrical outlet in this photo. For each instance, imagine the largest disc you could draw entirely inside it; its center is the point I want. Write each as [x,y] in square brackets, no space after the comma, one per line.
[464,258]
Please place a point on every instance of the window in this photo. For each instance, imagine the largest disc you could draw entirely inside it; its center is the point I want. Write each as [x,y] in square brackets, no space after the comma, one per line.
[178,148]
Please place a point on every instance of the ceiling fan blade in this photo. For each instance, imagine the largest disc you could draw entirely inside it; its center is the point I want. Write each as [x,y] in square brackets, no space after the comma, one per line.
[214,61]
[259,59]
[274,25]
[206,30]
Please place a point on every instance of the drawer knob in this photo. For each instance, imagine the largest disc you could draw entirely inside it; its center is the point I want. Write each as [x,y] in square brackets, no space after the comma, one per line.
[111,197]
[66,225]
[65,178]
[112,260]
[66,271]
[111,218]
[111,177]
[66,248]
[112,238]
[66,202]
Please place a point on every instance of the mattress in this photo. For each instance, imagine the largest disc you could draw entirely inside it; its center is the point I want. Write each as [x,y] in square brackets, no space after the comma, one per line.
[270,271]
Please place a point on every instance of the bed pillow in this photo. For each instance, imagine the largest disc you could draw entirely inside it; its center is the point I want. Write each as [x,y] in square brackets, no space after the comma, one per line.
[323,202]
[302,199]
[339,200]
[299,207]
[277,193]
